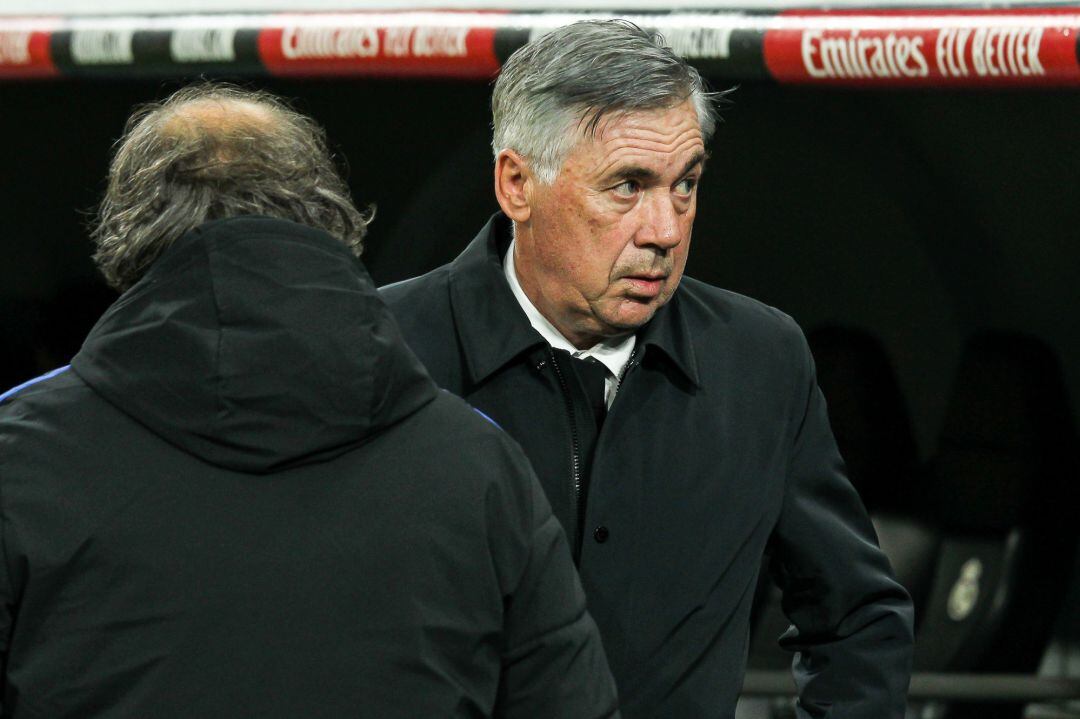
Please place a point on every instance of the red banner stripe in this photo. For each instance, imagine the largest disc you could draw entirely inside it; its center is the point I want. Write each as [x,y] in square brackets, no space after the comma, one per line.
[969,48]
[398,51]
[25,54]
[854,48]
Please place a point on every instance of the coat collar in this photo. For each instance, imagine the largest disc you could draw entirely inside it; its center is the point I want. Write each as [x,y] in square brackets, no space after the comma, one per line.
[491,324]
[669,333]
[494,329]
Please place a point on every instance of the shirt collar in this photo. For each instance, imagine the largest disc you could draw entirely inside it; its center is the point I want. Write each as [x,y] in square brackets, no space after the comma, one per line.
[613,352]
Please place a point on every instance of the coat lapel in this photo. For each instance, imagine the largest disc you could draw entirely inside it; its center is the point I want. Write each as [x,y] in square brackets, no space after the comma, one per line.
[668,334]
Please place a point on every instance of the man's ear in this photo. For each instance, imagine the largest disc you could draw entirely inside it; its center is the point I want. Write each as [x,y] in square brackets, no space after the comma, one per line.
[512,174]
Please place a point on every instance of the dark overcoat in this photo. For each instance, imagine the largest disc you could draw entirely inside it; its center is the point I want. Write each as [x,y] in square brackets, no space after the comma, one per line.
[716,450]
[246,498]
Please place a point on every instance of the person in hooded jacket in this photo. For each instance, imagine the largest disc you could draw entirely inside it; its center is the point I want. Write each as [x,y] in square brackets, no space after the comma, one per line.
[245,497]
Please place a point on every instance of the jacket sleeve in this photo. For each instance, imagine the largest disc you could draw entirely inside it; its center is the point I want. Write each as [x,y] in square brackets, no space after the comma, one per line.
[553,660]
[852,621]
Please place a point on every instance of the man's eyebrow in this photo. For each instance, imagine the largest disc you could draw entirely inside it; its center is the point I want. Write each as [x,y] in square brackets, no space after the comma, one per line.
[632,172]
[645,175]
[698,159]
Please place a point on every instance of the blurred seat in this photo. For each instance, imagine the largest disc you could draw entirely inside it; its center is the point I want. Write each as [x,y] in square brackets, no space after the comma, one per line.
[1062,657]
[1002,490]
[984,535]
[868,415]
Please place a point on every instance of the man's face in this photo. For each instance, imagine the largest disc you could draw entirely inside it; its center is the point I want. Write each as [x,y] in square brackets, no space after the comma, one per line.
[606,243]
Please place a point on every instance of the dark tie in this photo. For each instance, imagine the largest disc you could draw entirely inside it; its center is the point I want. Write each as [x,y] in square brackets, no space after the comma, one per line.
[593,375]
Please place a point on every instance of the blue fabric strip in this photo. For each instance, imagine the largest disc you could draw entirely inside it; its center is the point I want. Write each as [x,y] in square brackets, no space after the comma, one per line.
[489,419]
[15,390]
[474,409]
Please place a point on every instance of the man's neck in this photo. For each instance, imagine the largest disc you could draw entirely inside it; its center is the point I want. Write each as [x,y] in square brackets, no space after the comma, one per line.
[613,352]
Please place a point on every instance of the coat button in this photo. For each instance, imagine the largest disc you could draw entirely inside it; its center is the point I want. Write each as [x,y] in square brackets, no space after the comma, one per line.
[601,534]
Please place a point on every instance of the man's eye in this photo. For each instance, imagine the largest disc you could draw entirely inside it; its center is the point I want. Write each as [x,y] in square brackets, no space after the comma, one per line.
[685,187]
[625,189]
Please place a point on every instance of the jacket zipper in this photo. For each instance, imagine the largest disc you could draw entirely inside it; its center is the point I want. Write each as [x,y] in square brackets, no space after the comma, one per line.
[575,457]
[626,368]
[575,447]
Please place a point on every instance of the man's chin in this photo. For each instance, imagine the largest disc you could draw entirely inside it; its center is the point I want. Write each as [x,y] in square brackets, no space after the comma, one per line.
[633,314]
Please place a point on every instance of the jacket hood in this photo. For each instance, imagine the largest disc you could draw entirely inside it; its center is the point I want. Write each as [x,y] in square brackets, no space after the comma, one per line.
[255,344]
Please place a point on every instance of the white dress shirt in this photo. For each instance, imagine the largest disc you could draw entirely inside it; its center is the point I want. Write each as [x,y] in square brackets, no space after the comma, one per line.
[613,352]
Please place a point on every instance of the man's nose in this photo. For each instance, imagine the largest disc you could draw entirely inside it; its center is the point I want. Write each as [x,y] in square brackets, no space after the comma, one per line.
[660,222]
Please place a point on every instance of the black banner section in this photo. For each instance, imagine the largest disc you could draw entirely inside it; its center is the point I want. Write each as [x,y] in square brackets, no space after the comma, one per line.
[186,52]
[507,40]
[857,48]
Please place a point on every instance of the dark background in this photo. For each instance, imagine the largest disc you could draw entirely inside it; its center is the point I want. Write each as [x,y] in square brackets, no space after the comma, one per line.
[920,216]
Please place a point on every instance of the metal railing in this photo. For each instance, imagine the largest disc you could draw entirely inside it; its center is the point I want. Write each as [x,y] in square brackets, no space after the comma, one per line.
[933,686]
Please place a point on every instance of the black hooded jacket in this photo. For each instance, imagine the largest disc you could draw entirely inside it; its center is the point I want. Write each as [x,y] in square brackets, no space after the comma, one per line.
[246,498]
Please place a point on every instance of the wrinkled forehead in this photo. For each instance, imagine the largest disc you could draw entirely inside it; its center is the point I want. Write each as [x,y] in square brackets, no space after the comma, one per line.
[657,139]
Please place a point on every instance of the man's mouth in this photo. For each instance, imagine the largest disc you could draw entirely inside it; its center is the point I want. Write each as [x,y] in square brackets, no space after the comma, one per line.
[646,284]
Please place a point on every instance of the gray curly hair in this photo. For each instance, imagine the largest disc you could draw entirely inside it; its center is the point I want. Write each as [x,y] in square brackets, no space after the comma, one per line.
[208,152]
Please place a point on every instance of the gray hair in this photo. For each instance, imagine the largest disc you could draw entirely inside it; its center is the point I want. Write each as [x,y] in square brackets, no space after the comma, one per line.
[208,152]
[572,77]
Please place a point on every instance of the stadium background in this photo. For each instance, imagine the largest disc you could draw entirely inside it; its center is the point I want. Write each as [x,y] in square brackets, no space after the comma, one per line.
[921,216]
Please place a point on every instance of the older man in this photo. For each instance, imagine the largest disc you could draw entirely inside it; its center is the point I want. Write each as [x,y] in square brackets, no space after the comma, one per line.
[245,497]
[677,428]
